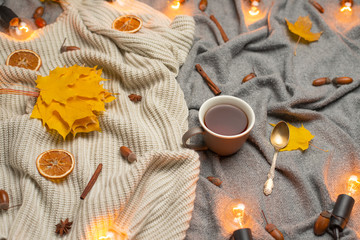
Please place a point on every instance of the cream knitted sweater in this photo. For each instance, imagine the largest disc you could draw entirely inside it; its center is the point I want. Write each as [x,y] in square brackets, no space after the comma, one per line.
[149,199]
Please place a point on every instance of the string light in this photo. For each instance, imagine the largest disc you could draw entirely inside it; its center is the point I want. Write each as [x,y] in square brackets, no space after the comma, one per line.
[343,207]
[234,214]
[20,28]
[353,185]
[254,10]
[346,5]
[176,4]
[239,214]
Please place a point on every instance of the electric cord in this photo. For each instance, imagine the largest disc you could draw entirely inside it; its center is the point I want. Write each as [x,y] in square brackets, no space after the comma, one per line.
[336,234]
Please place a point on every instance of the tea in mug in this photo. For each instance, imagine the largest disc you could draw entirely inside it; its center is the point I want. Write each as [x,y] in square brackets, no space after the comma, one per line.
[226,119]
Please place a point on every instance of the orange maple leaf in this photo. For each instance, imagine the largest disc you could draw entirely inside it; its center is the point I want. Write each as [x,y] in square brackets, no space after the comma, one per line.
[302,28]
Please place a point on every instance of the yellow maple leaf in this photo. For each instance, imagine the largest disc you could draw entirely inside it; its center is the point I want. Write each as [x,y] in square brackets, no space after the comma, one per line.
[302,28]
[70,98]
[299,138]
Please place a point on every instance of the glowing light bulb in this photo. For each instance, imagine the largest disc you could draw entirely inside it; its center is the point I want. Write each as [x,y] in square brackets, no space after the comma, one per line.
[239,213]
[346,5]
[234,214]
[353,185]
[175,5]
[20,28]
[343,206]
[254,10]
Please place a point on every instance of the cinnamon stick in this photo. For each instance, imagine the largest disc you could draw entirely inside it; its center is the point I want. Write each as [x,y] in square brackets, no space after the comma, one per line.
[317,6]
[215,89]
[222,32]
[91,182]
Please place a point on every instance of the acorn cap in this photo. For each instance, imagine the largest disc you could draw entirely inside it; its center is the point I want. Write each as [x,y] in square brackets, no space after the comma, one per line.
[322,223]
[270,227]
[4,206]
[326,214]
[132,157]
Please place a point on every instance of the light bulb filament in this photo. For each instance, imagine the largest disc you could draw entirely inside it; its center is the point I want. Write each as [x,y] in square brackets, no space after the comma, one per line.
[109,235]
[353,185]
[105,237]
[239,213]
[346,8]
[175,5]
[254,11]
[24,28]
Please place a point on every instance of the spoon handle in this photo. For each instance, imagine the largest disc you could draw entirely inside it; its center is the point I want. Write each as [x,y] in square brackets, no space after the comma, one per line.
[269,184]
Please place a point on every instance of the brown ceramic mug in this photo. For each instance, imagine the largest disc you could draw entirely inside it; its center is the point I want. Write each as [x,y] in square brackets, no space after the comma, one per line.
[219,143]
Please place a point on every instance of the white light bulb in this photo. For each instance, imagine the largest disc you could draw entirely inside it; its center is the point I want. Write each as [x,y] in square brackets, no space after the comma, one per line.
[234,214]
[254,9]
[21,28]
[353,186]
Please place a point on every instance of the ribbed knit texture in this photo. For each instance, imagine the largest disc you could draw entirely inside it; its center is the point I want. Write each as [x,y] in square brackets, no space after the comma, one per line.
[148,199]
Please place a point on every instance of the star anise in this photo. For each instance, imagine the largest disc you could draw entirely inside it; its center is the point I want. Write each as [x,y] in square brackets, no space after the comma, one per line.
[63,227]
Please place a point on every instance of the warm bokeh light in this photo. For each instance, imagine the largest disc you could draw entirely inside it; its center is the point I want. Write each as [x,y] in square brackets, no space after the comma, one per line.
[103,228]
[353,185]
[177,7]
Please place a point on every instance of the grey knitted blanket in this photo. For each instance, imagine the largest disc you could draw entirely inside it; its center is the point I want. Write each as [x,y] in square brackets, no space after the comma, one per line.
[306,182]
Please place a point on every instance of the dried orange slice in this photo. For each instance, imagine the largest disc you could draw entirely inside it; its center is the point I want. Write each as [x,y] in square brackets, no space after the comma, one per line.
[127,23]
[24,58]
[55,163]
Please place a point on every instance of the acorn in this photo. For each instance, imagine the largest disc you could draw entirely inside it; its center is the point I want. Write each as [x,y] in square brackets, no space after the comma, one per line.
[321,81]
[342,80]
[38,12]
[203,5]
[274,232]
[322,223]
[214,180]
[272,229]
[128,154]
[4,200]
[248,77]
[40,22]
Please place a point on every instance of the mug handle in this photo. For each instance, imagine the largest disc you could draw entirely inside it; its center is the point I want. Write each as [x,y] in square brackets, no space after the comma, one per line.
[190,133]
